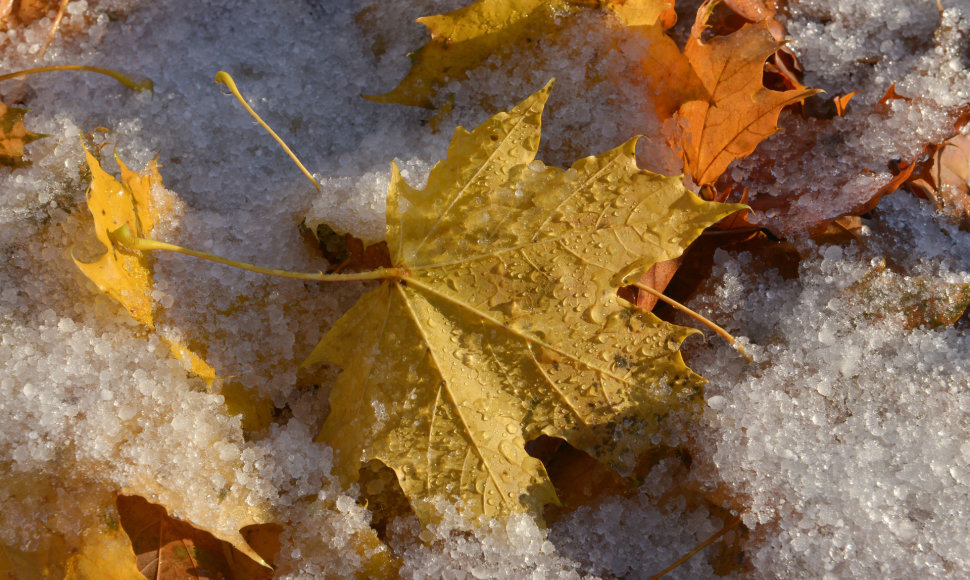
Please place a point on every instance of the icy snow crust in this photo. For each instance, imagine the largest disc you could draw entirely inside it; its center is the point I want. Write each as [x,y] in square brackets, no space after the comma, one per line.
[847,438]
[843,445]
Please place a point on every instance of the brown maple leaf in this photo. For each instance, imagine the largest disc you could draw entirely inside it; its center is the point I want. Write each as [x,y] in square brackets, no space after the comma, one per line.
[167,548]
[824,207]
[740,112]
[944,178]
[918,301]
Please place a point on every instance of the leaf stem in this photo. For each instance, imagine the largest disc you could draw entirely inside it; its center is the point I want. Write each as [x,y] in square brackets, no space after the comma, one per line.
[126,238]
[54,26]
[697,316]
[728,527]
[224,78]
[127,81]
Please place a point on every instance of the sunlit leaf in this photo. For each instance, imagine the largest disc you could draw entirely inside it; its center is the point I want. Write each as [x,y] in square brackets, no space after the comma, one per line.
[505,324]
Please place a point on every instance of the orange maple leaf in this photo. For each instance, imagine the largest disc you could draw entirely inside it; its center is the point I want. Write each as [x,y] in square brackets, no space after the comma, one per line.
[740,112]
[14,136]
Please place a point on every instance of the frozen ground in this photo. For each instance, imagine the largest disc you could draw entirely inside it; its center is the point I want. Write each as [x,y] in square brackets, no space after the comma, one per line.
[843,445]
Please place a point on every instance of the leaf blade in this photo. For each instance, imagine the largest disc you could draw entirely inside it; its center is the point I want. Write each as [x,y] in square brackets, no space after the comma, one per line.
[506,325]
[740,112]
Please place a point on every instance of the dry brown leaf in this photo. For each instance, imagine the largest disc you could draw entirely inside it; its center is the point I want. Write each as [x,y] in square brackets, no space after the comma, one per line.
[170,549]
[347,253]
[15,13]
[580,480]
[890,96]
[842,102]
[797,213]
[812,208]
[752,10]
[952,167]
[657,277]
[867,205]
[944,178]
[919,300]
[24,12]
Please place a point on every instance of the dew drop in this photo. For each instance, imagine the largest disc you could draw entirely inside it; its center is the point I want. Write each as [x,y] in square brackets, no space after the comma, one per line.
[508,451]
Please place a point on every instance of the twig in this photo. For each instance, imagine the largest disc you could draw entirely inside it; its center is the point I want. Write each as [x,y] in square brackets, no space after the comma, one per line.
[730,526]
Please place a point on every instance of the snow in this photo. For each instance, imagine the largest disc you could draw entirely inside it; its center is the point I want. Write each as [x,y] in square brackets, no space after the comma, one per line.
[841,446]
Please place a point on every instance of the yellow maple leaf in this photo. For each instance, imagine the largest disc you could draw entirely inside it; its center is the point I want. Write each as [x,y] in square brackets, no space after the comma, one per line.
[465,38]
[14,136]
[502,322]
[126,275]
[740,112]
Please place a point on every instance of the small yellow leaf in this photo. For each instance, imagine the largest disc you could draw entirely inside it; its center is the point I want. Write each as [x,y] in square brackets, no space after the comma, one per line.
[122,274]
[126,275]
[506,324]
[14,136]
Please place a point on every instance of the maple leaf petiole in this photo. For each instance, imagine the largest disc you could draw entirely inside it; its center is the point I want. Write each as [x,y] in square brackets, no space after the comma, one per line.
[698,317]
[224,78]
[127,81]
[128,239]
